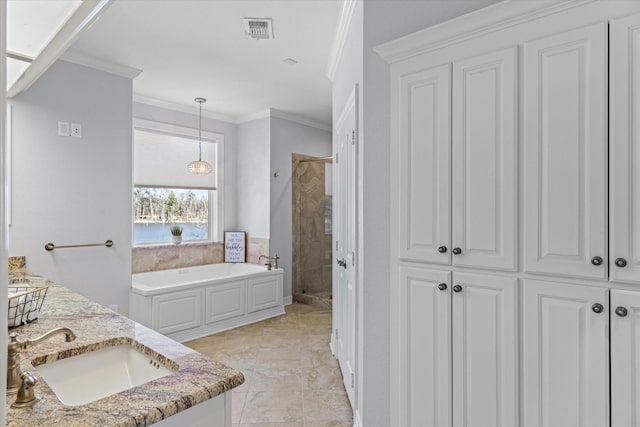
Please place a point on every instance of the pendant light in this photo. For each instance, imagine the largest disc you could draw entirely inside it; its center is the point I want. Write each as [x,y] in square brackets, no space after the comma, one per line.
[199,166]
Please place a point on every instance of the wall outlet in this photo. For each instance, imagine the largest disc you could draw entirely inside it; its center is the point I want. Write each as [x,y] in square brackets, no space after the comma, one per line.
[114,307]
[63,128]
[76,130]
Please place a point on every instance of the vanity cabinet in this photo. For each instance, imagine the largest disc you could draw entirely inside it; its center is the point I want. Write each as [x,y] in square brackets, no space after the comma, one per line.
[458,325]
[456,165]
[580,347]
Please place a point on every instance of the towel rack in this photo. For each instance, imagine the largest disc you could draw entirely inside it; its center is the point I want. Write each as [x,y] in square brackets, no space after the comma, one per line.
[51,246]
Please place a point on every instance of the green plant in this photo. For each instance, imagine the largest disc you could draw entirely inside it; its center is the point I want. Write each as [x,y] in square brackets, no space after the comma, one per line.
[176,230]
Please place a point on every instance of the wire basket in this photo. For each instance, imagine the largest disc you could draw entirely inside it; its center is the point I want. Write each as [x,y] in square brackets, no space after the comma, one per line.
[25,303]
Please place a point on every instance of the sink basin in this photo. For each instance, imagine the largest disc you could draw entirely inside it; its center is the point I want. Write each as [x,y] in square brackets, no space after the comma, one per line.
[93,375]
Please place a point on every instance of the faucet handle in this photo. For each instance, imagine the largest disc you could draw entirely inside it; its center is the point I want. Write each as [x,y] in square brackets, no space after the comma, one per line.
[26,395]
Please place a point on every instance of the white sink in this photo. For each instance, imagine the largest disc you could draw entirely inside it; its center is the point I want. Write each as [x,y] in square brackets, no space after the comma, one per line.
[97,374]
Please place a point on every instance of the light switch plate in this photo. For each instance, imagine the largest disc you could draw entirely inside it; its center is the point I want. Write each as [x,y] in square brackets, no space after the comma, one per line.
[63,128]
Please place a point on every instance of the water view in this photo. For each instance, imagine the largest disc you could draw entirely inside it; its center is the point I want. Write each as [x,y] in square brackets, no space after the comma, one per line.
[159,233]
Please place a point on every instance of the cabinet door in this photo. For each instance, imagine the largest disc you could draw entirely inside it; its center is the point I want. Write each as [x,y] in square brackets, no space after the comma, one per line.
[565,152]
[425,348]
[565,358]
[264,292]
[176,311]
[625,358]
[485,347]
[224,301]
[424,165]
[624,149]
[484,160]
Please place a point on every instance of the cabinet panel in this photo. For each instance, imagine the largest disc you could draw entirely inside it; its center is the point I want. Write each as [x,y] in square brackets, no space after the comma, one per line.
[625,359]
[565,357]
[624,149]
[426,348]
[224,301]
[425,159]
[485,366]
[264,293]
[565,144]
[484,160]
[176,311]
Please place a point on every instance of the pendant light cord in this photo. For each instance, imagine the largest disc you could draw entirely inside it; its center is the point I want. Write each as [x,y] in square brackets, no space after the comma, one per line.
[200,134]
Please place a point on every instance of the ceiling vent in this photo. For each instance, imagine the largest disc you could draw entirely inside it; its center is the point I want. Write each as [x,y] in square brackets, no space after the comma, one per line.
[258,28]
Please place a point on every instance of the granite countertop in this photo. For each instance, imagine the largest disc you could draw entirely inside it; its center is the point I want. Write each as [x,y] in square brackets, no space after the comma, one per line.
[197,379]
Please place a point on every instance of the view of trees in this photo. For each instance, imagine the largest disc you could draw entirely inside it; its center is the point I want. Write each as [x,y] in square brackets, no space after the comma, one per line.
[162,205]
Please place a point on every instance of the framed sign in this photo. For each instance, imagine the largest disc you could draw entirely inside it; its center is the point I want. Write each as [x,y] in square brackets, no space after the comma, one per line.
[235,246]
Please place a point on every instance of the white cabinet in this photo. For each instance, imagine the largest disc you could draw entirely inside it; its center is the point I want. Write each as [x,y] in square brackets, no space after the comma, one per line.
[224,301]
[565,152]
[176,311]
[624,146]
[565,358]
[457,145]
[262,293]
[460,347]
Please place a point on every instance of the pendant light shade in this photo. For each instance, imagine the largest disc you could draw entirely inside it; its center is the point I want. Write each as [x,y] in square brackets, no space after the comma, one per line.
[199,166]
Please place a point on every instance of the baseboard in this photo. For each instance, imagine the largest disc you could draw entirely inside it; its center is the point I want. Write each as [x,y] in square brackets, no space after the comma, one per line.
[287,300]
[332,345]
[357,419]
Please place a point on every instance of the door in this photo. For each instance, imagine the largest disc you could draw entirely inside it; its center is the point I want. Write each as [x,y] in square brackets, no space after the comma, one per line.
[424,184]
[625,358]
[624,149]
[484,161]
[346,221]
[565,358]
[565,152]
[425,348]
[485,348]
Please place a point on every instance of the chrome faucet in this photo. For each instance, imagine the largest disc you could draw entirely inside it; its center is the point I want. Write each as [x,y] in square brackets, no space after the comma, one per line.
[14,381]
[275,259]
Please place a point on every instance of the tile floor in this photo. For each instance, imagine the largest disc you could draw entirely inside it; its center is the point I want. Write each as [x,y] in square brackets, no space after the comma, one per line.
[291,377]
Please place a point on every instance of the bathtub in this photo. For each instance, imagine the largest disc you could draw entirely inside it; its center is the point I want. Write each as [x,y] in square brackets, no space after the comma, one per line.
[193,302]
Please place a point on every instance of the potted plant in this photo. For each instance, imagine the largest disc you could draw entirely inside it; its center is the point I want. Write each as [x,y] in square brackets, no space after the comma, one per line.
[176,232]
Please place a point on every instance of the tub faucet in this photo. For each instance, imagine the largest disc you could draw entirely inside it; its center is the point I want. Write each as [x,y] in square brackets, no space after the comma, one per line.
[275,259]
[13,354]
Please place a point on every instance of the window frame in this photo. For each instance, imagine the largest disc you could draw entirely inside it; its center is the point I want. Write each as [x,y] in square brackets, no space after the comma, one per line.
[216,196]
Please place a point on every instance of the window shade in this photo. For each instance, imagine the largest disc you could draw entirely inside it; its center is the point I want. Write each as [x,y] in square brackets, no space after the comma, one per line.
[160,160]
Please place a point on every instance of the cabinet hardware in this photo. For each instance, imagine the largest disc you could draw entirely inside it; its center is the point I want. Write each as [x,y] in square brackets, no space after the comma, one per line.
[456,251]
[342,262]
[597,308]
[621,311]
[457,288]
[442,286]
[442,249]
[621,262]
[596,260]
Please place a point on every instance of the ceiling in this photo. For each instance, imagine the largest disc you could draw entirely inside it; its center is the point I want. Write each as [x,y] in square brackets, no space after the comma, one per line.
[197,48]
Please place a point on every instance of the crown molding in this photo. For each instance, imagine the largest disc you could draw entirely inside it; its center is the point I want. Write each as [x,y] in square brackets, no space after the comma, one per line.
[272,112]
[100,65]
[254,116]
[483,21]
[167,105]
[342,29]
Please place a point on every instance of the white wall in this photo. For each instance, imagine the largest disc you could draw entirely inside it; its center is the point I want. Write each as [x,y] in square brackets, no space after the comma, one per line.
[73,191]
[288,137]
[4,252]
[163,115]
[376,22]
[252,177]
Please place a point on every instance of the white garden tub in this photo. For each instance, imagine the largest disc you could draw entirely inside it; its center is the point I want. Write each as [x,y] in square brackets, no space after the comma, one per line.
[192,302]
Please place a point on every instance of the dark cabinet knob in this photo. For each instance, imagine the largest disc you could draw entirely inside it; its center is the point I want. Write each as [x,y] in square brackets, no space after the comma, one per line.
[597,308]
[621,262]
[442,286]
[442,249]
[456,251]
[621,311]
[596,260]
[457,288]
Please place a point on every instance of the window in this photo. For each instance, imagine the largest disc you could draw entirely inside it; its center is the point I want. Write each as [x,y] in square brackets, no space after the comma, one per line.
[165,193]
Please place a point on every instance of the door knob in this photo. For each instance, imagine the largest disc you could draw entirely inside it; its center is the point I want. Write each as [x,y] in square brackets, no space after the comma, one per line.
[621,262]
[597,308]
[457,288]
[442,286]
[596,260]
[456,251]
[342,262]
[442,249]
[621,311]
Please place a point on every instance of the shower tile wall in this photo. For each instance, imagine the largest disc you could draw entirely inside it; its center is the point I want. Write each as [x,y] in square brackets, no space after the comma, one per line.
[311,245]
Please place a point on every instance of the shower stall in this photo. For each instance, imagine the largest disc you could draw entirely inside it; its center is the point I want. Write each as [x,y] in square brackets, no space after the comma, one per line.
[312,229]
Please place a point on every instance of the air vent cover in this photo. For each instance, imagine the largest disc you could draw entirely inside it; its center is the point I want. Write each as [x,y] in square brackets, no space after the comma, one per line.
[258,28]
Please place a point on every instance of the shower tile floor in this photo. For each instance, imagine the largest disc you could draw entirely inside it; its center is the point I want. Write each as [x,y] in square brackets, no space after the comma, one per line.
[291,377]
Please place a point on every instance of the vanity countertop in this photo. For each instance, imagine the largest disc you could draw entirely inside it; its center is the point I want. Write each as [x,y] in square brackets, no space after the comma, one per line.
[197,380]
